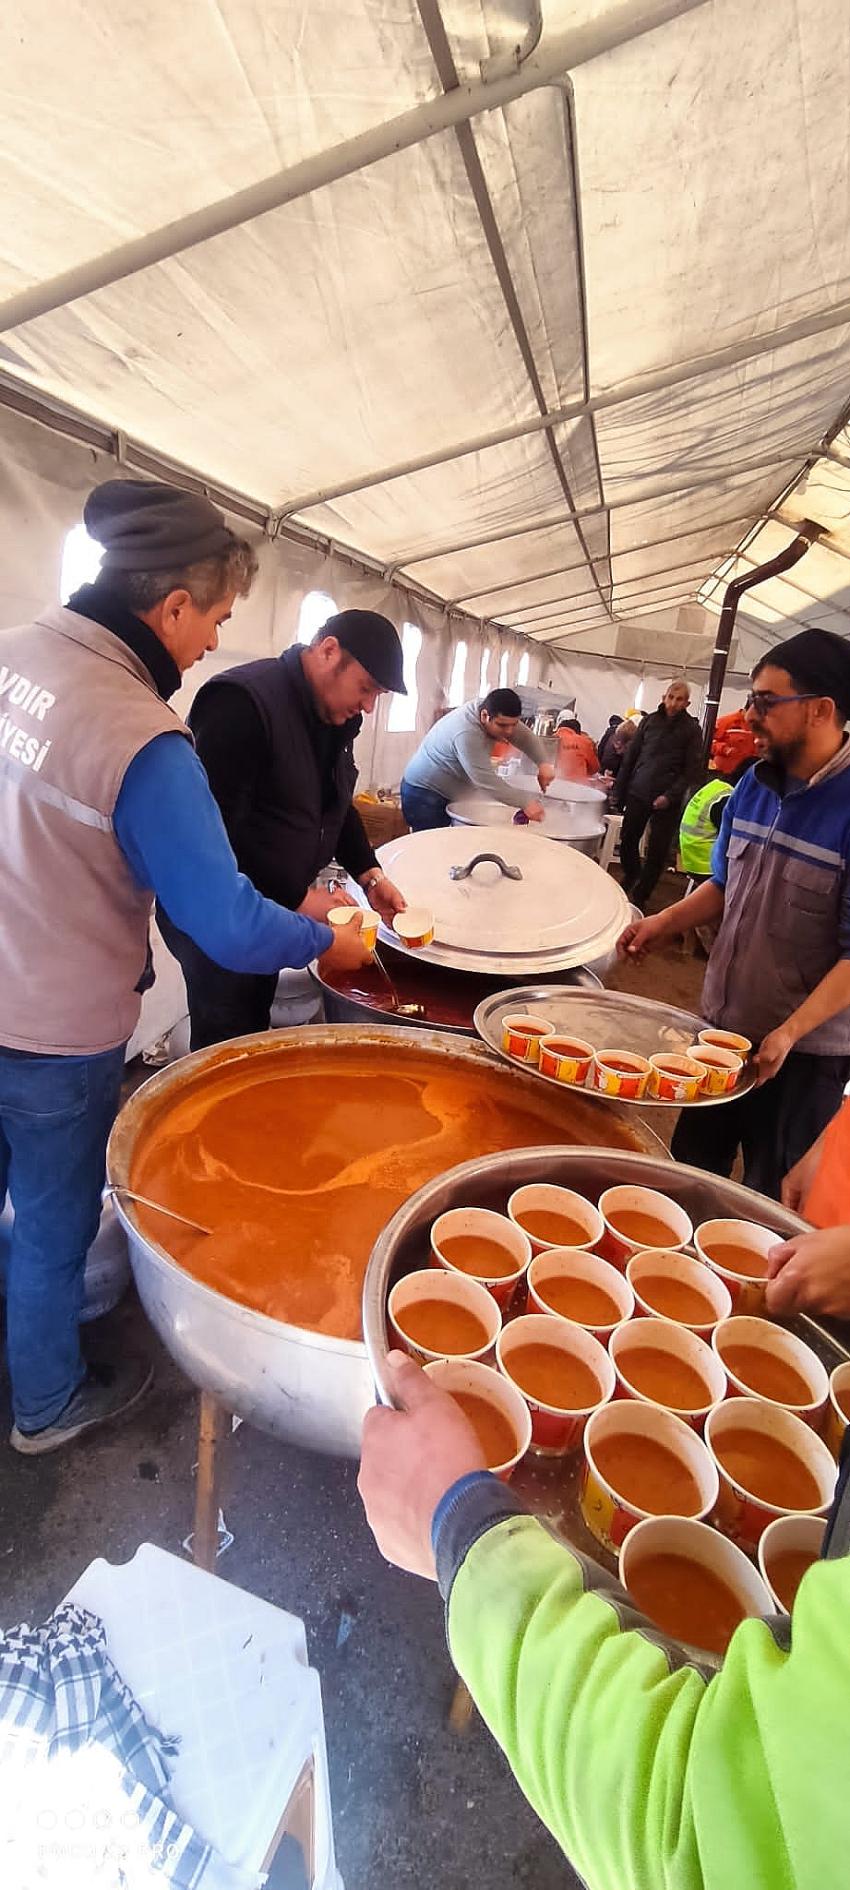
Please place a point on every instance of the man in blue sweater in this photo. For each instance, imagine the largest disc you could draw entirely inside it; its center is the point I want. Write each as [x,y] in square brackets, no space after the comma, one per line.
[103,803]
[779,970]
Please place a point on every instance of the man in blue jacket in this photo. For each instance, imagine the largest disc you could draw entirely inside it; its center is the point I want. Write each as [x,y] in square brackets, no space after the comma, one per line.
[779,970]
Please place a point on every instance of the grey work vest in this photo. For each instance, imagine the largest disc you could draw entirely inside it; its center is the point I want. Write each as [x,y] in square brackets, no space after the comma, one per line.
[76,705]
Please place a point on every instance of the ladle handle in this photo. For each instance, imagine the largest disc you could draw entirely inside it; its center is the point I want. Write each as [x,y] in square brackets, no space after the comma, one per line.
[463,872]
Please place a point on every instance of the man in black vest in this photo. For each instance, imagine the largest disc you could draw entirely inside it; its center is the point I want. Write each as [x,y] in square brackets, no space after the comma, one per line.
[276,740]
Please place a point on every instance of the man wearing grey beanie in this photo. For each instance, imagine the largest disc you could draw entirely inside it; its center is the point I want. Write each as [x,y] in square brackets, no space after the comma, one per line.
[103,804]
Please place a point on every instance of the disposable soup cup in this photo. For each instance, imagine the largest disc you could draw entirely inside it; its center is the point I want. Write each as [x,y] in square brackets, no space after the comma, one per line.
[696,1546]
[838,1407]
[633,1215]
[639,1346]
[789,1545]
[608,1508]
[528,1206]
[482,1224]
[675,1079]
[662,1282]
[557,1425]
[745,1273]
[771,1351]
[523,1033]
[467,1378]
[721,1068]
[564,1276]
[340,916]
[415,927]
[620,1073]
[454,1293]
[742,1514]
[565,1058]
[716,1039]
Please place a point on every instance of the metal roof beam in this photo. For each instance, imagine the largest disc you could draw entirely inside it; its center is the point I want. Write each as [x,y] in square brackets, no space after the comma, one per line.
[629,551]
[620,587]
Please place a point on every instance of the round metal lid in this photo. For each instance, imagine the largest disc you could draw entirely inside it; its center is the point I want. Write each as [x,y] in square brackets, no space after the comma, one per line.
[543,908]
[565,821]
[559,790]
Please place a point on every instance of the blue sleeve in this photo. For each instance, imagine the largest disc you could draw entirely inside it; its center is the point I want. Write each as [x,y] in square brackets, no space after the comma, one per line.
[171,833]
[720,849]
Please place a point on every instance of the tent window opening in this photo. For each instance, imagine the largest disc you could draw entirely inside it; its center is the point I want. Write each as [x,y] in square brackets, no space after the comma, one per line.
[458,676]
[316,608]
[402,715]
[503,669]
[484,678]
[81,560]
[522,672]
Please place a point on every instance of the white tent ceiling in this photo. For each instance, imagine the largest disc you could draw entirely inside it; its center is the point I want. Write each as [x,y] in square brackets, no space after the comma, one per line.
[641,235]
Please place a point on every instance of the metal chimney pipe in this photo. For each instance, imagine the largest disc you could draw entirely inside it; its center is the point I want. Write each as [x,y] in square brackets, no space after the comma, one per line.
[734,592]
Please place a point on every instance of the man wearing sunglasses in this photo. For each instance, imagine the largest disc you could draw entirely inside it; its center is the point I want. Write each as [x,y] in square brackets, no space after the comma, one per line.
[779,970]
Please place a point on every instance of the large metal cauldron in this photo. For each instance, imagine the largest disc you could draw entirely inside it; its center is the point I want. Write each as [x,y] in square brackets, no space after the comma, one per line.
[449,997]
[403,1245]
[302,1386]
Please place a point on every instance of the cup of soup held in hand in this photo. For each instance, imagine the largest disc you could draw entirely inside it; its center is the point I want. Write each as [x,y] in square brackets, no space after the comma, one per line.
[838,1407]
[764,1361]
[414,927]
[565,1283]
[522,1035]
[667,1365]
[495,1408]
[340,916]
[770,1464]
[674,1286]
[640,1218]
[566,1059]
[563,1374]
[691,1582]
[790,1545]
[484,1246]
[620,1073]
[640,1461]
[436,1314]
[737,1251]
[555,1217]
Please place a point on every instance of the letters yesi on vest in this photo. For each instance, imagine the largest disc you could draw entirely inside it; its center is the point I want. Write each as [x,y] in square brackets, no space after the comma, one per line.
[18,742]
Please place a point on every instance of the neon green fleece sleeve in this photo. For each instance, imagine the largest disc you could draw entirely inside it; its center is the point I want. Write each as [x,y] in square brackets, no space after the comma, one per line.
[653,1777]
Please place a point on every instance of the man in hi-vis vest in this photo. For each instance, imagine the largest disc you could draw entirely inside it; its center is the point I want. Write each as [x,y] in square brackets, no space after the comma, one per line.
[103,803]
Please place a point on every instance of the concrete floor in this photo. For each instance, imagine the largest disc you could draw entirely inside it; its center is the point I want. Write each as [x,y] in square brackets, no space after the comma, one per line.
[412,1802]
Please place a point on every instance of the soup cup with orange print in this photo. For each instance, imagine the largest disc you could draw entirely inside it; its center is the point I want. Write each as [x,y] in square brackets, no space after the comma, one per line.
[566,1059]
[494,1407]
[769,1463]
[716,1039]
[762,1360]
[522,1035]
[641,1461]
[437,1314]
[676,1287]
[483,1246]
[737,1251]
[620,1073]
[563,1374]
[568,1284]
[789,1546]
[675,1079]
[691,1582]
[838,1407]
[721,1069]
[640,1218]
[664,1364]
[555,1217]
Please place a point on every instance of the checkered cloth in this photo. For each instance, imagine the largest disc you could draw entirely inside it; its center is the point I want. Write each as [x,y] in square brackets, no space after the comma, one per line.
[59,1694]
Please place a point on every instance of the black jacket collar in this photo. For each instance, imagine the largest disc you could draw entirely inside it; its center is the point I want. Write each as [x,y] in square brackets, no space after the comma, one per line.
[99,603]
[342,732]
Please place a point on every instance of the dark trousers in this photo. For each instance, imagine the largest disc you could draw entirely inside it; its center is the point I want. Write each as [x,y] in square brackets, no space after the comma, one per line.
[773,1126]
[640,877]
[422,808]
[222,1004]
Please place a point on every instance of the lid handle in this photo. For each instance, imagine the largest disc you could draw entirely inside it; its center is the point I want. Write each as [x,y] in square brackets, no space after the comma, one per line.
[463,872]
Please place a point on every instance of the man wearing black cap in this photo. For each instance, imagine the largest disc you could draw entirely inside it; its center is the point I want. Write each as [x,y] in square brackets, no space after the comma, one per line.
[779,970]
[103,803]
[276,739]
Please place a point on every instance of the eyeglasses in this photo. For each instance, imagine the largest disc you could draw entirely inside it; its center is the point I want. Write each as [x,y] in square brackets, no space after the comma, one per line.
[763,700]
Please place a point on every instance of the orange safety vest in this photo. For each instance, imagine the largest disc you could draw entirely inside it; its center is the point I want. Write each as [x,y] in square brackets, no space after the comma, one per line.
[827,1203]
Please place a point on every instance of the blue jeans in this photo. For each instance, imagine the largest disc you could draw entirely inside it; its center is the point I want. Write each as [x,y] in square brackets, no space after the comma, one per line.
[55,1118]
[423,808]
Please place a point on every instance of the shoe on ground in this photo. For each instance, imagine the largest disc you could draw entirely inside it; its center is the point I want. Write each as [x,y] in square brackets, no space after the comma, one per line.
[106,1392]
